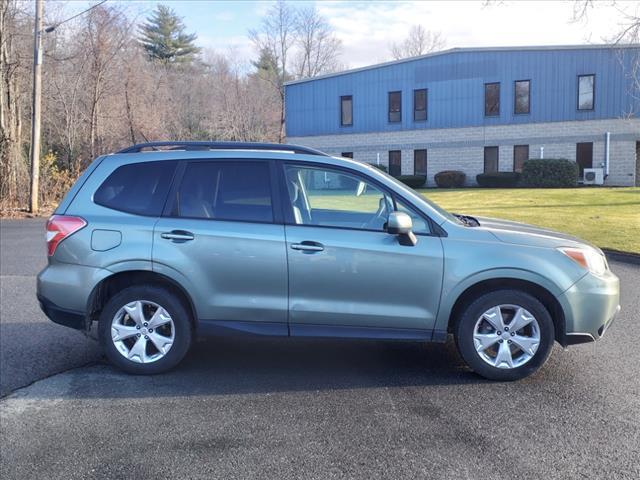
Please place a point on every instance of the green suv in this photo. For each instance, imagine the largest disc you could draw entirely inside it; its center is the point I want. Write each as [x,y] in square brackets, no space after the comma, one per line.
[164,241]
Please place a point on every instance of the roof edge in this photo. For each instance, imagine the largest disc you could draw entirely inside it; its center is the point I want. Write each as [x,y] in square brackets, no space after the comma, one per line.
[602,46]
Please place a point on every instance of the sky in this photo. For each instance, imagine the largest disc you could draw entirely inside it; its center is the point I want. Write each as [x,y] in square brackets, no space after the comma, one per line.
[367,28]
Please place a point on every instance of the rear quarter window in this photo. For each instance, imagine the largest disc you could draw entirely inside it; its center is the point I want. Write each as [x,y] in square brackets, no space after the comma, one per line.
[138,188]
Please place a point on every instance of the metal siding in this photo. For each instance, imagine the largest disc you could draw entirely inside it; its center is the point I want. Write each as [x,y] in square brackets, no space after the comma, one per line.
[456,91]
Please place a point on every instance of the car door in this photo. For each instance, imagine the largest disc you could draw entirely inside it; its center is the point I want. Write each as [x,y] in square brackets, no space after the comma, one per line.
[223,240]
[347,275]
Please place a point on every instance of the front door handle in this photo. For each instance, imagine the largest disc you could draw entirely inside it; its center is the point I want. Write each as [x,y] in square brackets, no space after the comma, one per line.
[178,235]
[308,246]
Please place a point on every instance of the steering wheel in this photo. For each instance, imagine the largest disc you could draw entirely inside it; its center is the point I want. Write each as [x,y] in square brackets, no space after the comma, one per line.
[380,217]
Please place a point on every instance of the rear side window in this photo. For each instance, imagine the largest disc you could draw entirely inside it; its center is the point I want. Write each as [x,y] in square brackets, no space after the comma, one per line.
[238,191]
[139,188]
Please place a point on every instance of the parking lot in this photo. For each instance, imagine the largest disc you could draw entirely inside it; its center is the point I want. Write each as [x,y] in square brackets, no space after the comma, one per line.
[265,408]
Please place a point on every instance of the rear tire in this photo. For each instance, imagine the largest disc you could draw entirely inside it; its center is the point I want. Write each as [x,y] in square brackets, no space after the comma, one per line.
[505,335]
[145,330]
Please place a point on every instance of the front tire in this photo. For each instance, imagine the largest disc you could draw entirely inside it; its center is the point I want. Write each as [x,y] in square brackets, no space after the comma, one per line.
[145,330]
[505,335]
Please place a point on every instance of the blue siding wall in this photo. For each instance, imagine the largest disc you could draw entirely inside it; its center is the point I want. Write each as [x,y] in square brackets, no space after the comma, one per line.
[455,81]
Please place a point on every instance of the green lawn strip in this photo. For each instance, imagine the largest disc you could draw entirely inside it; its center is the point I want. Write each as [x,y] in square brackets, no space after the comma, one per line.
[607,217]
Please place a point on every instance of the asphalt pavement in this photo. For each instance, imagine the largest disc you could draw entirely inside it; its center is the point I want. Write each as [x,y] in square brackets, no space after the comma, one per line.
[285,408]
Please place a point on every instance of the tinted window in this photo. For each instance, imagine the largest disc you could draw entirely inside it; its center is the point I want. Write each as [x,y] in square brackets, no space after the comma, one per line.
[420,162]
[347,154]
[346,110]
[395,163]
[490,159]
[239,191]
[520,155]
[491,99]
[420,104]
[522,96]
[395,106]
[139,188]
[586,85]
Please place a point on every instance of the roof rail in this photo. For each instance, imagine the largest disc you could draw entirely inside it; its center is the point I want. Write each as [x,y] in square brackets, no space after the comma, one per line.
[282,147]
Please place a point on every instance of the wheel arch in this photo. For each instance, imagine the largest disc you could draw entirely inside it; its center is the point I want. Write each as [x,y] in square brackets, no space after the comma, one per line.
[117,282]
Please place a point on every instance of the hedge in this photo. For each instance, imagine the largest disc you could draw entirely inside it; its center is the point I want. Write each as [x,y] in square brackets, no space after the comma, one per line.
[380,167]
[450,179]
[549,173]
[498,179]
[413,181]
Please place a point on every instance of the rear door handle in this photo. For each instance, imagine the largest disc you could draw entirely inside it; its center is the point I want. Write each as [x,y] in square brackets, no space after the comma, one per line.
[178,235]
[308,246]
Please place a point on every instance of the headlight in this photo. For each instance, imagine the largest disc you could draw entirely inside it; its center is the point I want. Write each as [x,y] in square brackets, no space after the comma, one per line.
[588,258]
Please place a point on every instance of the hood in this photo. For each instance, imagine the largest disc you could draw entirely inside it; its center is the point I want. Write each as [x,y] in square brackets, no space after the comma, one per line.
[523,234]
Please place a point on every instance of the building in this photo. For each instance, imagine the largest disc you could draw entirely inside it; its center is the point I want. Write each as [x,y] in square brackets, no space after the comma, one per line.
[478,110]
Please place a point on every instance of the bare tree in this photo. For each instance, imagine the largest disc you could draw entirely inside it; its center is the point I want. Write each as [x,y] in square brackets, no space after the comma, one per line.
[276,37]
[418,42]
[319,48]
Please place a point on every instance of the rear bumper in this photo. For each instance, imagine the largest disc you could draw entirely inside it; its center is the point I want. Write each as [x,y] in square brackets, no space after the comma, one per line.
[62,316]
[591,305]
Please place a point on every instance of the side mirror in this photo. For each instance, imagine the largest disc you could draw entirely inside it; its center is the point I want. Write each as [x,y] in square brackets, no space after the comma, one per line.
[399,223]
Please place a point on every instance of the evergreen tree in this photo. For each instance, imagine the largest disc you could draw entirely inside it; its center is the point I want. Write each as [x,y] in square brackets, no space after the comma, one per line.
[164,38]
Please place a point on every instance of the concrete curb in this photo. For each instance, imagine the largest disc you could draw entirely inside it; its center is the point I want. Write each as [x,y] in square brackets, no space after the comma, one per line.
[626,257]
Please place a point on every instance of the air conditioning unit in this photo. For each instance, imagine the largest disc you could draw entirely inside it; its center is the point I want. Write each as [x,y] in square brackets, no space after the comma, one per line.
[593,176]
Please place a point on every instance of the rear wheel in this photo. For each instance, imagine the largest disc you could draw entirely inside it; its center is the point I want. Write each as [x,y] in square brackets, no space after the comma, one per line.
[505,335]
[145,330]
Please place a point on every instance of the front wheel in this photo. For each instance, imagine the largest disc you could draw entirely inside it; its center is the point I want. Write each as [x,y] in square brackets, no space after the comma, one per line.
[505,335]
[145,330]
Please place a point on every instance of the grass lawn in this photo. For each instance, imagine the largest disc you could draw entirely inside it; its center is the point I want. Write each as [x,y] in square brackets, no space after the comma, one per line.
[607,217]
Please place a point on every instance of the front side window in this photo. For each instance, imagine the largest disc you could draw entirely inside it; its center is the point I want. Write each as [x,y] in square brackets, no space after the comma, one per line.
[420,104]
[490,159]
[522,97]
[520,155]
[231,191]
[586,87]
[346,110]
[395,106]
[491,99]
[138,188]
[420,162]
[395,163]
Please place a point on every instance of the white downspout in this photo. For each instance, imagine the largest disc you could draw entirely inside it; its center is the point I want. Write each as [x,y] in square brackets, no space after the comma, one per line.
[607,141]
[542,153]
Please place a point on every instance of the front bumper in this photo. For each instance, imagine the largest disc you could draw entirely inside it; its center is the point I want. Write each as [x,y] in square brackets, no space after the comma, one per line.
[590,307]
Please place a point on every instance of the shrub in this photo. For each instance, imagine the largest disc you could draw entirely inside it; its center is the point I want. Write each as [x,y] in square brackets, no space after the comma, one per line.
[549,173]
[380,167]
[450,178]
[413,181]
[498,179]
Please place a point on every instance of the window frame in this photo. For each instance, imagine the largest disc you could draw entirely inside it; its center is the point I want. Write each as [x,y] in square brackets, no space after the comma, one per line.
[426,105]
[176,168]
[389,112]
[515,96]
[491,115]
[276,207]
[342,99]
[514,155]
[426,161]
[287,215]
[497,148]
[593,93]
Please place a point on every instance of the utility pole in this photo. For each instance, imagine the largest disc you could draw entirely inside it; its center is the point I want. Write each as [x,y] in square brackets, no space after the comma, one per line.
[35,113]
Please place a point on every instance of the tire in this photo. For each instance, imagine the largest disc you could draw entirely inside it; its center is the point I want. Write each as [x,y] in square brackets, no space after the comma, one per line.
[131,353]
[483,347]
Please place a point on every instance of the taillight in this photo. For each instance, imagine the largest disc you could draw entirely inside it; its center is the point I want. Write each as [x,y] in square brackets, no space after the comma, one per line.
[60,227]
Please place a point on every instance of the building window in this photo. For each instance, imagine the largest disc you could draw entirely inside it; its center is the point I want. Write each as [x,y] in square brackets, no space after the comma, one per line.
[420,162]
[347,154]
[490,159]
[491,99]
[520,155]
[346,110]
[420,105]
[395,106]
[395,163]
[586,87]
[522,102]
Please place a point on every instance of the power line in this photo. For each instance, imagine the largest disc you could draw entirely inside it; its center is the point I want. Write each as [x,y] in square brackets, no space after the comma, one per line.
[51,28]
